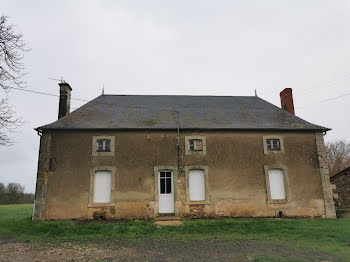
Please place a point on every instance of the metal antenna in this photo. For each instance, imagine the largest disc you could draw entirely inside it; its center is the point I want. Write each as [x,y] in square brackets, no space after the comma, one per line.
[61,80]
[103,89]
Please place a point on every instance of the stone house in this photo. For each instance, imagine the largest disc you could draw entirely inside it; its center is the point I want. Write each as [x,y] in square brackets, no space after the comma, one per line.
[341,182]
[130,156]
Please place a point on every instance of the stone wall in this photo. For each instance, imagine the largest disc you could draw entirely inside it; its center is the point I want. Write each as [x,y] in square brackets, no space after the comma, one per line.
[342,183]
[235,187]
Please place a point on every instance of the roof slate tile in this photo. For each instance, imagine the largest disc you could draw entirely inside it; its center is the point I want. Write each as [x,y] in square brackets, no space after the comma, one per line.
[188,112]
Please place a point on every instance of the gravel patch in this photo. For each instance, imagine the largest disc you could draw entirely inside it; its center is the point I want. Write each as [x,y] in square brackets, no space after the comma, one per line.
[158,250]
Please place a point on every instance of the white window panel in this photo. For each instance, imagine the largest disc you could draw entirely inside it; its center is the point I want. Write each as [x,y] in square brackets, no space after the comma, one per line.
[196,185]
[276,178]
[102,187]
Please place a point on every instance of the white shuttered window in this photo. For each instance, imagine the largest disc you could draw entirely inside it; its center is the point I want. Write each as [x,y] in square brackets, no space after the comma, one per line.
[276,178]
[102,187]
[196,185]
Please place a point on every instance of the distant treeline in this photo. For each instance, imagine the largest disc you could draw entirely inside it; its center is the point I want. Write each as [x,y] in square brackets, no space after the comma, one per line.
[13,193]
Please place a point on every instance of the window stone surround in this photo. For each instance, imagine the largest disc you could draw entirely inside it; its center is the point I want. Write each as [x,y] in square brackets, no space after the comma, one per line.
[102,153]
[194,152]
[93,171]
[286,183]
[207,195]
[266,152]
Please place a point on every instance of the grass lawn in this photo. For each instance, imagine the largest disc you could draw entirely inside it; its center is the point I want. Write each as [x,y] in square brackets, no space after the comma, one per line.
[331,236]
[15,212]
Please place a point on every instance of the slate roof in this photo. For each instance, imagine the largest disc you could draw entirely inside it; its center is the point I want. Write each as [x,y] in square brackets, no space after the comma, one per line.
[192,112]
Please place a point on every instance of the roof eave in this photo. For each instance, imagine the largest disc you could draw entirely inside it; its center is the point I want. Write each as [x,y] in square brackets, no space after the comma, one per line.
[192,128]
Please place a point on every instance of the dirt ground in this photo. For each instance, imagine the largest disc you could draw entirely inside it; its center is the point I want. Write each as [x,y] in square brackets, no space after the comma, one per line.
[156,250]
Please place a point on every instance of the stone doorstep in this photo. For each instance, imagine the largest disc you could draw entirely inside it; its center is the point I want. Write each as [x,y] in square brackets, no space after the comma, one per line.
[167,218]
[168,221]
[173,223]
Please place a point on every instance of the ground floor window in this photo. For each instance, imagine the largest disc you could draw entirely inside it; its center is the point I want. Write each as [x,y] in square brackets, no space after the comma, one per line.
[102,187]
[277,184]
[196,183]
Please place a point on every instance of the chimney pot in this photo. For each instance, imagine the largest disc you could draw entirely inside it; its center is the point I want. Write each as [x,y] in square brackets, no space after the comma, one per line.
[287,100]
[64,104]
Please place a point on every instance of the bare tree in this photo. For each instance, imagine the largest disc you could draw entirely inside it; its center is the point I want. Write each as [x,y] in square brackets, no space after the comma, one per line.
[14,192]
[2,190]
[338,156]
[8,122]
[12,47]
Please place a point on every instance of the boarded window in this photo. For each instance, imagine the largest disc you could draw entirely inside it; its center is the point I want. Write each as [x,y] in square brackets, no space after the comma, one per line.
[196,185]
[276,178]
[196,145]
[102,187]
[273,144]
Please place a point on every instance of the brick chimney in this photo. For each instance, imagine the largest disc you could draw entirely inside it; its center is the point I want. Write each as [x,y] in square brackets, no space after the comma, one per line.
[64,106]
[287,100]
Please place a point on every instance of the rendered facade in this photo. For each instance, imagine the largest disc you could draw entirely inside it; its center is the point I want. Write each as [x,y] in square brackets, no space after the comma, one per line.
[145,156]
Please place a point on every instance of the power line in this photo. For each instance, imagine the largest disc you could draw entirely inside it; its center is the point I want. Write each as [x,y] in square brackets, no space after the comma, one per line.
[335,97]
[79,99]
[47,94]
[326,100]
[85,100]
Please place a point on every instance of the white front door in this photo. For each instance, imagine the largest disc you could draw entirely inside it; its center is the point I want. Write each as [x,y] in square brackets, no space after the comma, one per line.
[166,192]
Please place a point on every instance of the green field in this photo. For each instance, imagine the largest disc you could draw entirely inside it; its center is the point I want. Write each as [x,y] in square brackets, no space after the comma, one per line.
[327,235]
[15,212]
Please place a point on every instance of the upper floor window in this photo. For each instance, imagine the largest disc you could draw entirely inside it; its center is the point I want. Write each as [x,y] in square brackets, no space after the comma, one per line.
[196,145]
[273,144]
[103,145]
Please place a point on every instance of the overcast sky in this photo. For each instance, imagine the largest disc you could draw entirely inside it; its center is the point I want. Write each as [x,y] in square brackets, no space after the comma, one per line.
[179,47]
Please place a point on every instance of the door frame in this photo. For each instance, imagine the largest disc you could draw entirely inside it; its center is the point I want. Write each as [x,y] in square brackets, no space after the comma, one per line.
[156,171]
[172,189]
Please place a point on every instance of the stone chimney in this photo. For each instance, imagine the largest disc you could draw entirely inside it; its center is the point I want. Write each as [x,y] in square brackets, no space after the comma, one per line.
[64,106]
[287,100]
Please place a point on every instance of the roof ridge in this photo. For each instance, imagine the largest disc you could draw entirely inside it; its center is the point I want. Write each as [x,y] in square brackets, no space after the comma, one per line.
[174,95]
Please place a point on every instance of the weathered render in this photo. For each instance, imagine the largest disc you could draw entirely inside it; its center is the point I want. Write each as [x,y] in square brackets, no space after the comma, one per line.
[148,137]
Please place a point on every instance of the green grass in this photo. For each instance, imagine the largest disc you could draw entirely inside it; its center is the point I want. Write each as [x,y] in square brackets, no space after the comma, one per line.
[15,212]
[326,235]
